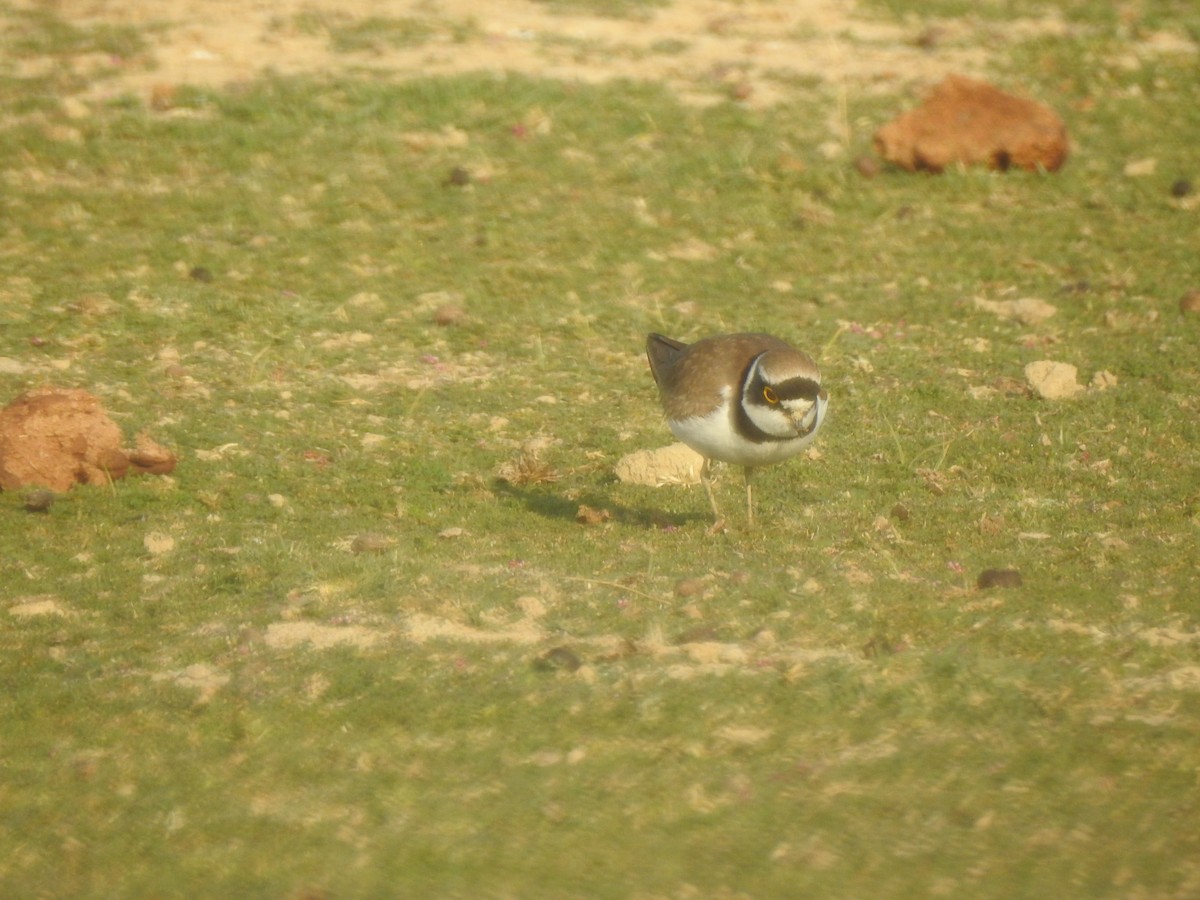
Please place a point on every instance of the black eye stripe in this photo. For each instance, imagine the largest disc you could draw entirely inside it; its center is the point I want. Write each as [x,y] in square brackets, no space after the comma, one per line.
[797,389]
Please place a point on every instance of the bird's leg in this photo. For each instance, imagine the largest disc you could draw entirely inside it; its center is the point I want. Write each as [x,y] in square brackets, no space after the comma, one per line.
[718,524]
[749,497]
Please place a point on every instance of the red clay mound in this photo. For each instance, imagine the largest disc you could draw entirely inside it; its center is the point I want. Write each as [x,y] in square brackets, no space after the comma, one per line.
[56,438]
[973,123]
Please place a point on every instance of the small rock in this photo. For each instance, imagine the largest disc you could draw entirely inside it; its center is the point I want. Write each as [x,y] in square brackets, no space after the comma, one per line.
[587,515]
[674,464]
[148,457]
[700,634]
[369,542]
[449,314]
[1027,310]
[458,177]
[1053,380]
[558,659]
[1002,578]
[39,501]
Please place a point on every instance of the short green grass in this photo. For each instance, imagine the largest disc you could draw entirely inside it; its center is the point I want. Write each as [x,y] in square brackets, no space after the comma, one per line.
[825,706]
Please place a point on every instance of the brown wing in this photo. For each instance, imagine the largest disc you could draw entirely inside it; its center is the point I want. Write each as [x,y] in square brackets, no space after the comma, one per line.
[692,377]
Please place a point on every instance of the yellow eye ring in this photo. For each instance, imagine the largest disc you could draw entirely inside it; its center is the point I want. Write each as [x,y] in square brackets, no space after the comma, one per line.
[769,395]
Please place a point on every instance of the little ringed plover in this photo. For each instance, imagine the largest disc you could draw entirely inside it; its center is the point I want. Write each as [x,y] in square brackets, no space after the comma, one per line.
[747,399]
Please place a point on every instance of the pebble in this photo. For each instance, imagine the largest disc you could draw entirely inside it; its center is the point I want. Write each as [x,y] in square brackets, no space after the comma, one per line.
[558,659]
[39,501]
[1002,578]
[1053,380]
[370,543]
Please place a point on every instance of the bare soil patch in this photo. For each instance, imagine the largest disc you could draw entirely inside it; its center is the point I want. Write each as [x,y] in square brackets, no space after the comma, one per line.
[705,51]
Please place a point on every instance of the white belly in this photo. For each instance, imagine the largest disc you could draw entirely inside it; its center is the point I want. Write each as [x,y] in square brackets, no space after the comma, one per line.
[716,437]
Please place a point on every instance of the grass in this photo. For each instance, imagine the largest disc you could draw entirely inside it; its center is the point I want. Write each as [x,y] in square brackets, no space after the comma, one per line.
[618,9]
[824,707]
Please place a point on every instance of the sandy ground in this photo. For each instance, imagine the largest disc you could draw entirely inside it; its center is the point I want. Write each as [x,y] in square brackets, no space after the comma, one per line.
[706,50]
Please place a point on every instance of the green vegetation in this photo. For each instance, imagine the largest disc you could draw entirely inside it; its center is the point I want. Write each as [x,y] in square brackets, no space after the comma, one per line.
[318,660]
[619,9]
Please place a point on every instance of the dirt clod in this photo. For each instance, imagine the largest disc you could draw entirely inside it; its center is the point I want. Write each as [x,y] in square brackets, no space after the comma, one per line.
[39,500]
[674,464]
[54,438]
[973,123]
[588,515]
[449,314]
[558,659]
[1053,380]
[1001,578]
[1027,310]
[148,457]
[690,587]
[370,542]
[458,177]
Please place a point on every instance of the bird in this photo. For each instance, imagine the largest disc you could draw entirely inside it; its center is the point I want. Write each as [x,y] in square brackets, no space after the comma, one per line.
[750,400]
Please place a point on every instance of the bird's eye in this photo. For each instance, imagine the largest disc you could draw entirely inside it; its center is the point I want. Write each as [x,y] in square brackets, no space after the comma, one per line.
[769,395]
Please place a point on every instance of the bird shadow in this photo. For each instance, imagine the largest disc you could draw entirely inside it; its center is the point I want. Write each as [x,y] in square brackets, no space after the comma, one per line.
[568,509]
